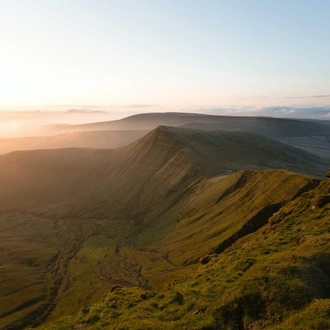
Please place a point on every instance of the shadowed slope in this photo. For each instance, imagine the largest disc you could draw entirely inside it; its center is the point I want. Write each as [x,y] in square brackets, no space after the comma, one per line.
[129,181]
[222,210]
[147,176]
[54,241]
[215,152]
[266,126]
[312,136]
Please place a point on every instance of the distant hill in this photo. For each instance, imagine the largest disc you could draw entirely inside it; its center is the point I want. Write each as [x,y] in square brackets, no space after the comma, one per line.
[310,135]
[109,139]
[266,126]
[167,155]
[143,121]
[219,151]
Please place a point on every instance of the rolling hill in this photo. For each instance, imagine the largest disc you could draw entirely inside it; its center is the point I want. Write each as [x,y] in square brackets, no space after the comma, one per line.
[109,139]
[76,224]
[310,135]
[89,178]
[266,126]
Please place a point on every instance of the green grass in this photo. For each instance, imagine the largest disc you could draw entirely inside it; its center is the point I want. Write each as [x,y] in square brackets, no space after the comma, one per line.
[315,316]
[181,249]
[277,277]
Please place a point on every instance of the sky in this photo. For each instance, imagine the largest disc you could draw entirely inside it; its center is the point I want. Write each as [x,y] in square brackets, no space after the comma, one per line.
[158,54]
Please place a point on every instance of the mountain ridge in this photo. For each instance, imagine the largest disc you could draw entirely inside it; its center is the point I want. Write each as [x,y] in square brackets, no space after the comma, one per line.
[312,136]
[209,153]
[79,223]
[273,127]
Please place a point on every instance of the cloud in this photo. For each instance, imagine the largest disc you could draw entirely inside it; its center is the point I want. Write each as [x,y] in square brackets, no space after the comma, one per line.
[140,106]
[294,97]
[321,96]
[304,112]
[74,110]
[307,112]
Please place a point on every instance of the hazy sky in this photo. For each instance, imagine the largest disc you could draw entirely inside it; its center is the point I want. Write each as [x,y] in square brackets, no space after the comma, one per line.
[162,52]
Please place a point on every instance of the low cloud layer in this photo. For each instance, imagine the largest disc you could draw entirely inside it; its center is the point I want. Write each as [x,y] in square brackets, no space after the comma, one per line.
[304,112]
[321,96]
[140,106]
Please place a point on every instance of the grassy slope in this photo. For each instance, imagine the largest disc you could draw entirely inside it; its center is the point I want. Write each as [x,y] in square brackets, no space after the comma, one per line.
[225,209]
[69,180]
[275,278]
[89,264]
[38,182]
[216,152]
[311,136]
[88,230]
[72,174]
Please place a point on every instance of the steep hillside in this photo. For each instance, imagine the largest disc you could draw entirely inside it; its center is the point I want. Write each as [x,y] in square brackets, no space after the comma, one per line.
[216,152]
[69,263]
[222,210]
[66,216]
[311,136]
[87,182]
[275,278]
